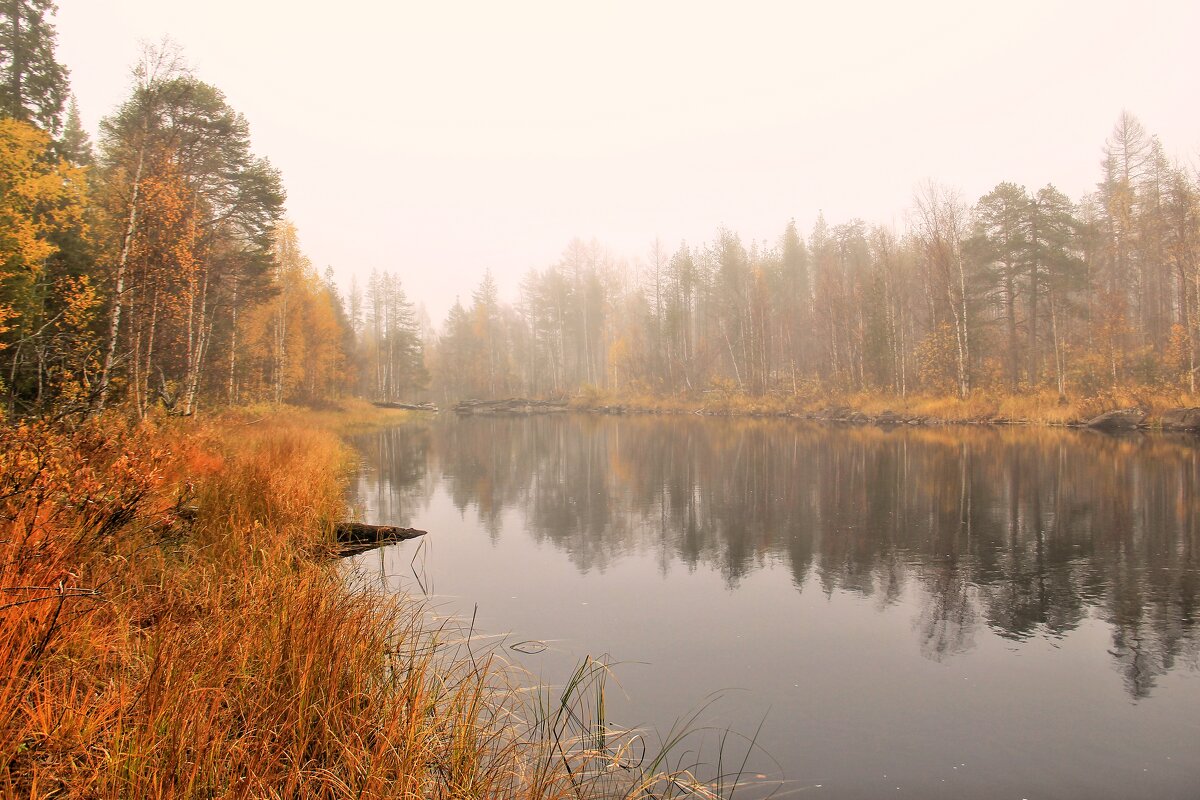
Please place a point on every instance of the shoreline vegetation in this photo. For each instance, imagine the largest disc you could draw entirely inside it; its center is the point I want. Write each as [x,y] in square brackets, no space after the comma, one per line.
[174,622]
[222,652]
[1128,409]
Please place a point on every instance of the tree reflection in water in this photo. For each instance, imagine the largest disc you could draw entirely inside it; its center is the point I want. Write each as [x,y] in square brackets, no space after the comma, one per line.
[1028,532]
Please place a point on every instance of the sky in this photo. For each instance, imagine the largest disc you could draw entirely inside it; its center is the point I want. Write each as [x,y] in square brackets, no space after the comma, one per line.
[439,139]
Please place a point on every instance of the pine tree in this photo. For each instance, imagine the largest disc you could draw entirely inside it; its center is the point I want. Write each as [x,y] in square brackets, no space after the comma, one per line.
[1058,270]
[1001,248]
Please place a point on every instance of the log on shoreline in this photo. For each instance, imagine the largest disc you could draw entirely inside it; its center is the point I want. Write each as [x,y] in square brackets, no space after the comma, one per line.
[358,537]
[405,406]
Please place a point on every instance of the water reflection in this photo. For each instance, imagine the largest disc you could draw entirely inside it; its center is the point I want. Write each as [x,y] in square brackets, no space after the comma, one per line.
[1028,533]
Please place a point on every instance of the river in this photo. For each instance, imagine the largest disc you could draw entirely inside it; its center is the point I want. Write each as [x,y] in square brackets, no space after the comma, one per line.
[917,612]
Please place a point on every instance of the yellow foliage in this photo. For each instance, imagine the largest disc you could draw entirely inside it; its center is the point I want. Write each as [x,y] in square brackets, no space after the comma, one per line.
[936,360]
[622,360]
[1178,352]
[38,195]
[295,337]
[81,302]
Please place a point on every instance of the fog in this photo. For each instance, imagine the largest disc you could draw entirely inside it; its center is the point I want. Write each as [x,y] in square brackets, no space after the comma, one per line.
[437,140]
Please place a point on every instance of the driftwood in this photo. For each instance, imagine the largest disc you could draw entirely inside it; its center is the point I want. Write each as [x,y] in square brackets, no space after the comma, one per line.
[352,537]
[514,405]
[405,406]
[358,537]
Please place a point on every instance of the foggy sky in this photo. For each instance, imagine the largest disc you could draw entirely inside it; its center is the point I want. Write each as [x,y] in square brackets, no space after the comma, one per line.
[438,139]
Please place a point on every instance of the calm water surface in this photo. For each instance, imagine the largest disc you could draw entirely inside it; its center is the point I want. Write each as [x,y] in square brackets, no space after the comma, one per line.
[908,613]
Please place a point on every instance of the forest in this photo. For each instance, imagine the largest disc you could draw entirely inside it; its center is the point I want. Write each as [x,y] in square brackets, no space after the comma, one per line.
[174,621]
[178,380]
[1019,290]
[156,268]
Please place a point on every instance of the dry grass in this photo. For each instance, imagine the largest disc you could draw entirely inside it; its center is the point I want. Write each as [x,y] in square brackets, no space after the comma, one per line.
[342,416]
[171,626]
[1041,407]
[1035,407]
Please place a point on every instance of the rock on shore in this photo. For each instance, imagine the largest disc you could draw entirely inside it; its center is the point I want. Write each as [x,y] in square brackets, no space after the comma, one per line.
[1123,419]
[1181,419]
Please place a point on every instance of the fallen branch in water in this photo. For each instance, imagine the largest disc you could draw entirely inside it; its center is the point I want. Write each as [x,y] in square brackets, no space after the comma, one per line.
[358,537]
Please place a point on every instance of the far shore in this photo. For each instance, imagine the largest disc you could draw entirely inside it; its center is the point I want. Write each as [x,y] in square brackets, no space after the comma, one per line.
[1124,410]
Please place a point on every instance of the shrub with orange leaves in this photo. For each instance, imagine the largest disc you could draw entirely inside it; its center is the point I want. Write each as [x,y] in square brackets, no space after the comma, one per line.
[70,503]
[171,626]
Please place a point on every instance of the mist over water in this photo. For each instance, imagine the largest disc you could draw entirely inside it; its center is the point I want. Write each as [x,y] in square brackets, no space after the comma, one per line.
[954,612]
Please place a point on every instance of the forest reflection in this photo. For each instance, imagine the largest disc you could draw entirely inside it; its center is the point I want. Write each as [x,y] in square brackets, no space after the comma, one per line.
[1026,532]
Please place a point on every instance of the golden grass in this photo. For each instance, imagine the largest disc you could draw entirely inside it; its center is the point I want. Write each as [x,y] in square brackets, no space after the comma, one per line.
[346,415]
[1035,407]
[171,626]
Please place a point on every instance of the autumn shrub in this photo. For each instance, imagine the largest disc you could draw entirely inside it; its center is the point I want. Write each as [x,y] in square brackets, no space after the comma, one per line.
[590,396]
[75,507]
[171,625]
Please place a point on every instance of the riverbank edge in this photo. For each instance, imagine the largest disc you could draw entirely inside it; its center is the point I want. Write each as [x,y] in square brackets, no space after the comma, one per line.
[1133,409]
[208,641]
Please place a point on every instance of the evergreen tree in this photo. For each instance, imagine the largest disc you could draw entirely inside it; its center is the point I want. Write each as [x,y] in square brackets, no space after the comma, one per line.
[1001,247]
[178,156]
[492,373]
[74,145]
[1058,273]
[458,349]
[33,85]
[795,301]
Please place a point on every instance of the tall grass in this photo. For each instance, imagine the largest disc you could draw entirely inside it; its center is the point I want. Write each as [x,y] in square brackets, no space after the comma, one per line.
[171,625]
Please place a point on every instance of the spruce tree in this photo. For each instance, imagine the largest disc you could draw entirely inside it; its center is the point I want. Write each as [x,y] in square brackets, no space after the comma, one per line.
[74,145]
[33,85]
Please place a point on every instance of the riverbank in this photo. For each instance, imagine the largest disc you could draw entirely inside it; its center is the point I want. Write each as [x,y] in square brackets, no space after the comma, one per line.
[172,624]
[980,408]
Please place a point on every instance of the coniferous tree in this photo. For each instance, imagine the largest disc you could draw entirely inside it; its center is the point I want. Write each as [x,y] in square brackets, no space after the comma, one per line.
[795,303]
[491,374]
[33,85]
[1054,276]
[1001,246]
[75,145]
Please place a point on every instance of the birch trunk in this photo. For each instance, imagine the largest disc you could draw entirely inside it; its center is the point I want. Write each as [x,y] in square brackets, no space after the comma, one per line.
[114,318]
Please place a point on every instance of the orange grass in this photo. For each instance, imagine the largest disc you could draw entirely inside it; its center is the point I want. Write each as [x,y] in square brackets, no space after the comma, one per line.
[171,626]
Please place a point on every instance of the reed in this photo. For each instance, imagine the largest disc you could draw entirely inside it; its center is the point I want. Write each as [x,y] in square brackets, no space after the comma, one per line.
[171,625]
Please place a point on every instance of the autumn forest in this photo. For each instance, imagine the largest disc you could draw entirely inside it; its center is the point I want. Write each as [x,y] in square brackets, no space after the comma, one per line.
[156,268]
[242,555]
